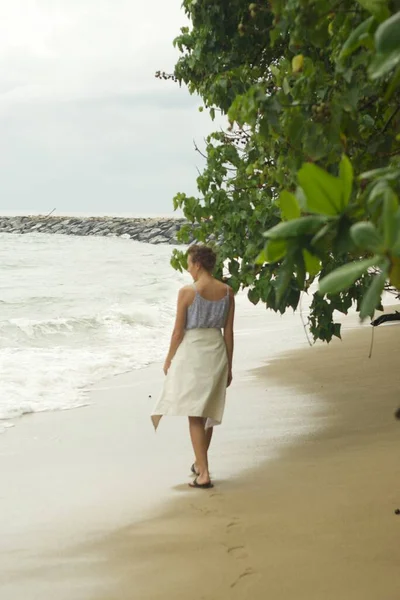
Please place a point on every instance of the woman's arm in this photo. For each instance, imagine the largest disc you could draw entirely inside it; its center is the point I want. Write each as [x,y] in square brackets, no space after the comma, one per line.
[228,334]
[179,327]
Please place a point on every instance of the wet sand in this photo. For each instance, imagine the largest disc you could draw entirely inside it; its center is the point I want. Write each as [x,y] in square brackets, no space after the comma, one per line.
[73,476]
[317,523]
[306,483]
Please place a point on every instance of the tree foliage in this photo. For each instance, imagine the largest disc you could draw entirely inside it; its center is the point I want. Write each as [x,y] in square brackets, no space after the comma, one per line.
[304,181]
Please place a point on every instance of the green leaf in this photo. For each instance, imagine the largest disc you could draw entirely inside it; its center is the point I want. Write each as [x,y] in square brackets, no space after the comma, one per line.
[283,279]
[234,267]
[297,63]
[372,297]
[275,71]
[387,36]
[323,191]
[388,173]
[178,260]
[261,258]
[396,246]
[286,86]
[390,206]
[300,269]
[392,87]
[234,283]
[366,236]
[346,175]
[375,193]
[342,278]
[321,234]
[289,205]
[253,295]
[356,38]
[387,42]
[301,198]
[378,8]
[274,35]
[296,227]
[383,63]
[336,330]
[395,272]
[275,250]
[312,263]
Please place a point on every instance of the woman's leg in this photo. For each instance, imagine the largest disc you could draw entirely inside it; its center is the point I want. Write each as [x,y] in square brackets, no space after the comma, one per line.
[209,433]
[200,441]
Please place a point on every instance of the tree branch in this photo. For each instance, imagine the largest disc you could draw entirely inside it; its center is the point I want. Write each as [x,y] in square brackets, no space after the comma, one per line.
[388,154]
[390,119]
[198,150]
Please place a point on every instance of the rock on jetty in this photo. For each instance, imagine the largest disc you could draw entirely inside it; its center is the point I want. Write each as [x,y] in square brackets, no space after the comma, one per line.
[152,231]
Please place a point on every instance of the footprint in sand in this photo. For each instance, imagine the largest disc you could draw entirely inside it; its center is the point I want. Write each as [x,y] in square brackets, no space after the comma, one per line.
[204,511]
[210,511]
[216,495]
[247,573]
[238,552]
[233,525]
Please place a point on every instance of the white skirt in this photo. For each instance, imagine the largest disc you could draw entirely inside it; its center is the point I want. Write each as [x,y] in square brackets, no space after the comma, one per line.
[195,385]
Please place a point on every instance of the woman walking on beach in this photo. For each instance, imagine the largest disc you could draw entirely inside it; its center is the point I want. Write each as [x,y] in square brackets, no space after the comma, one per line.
[198,366]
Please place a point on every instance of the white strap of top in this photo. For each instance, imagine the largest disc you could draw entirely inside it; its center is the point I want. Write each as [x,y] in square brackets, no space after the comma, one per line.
[195,289]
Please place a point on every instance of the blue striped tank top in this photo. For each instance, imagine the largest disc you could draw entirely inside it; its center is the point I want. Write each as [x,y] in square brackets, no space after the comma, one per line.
[207,314]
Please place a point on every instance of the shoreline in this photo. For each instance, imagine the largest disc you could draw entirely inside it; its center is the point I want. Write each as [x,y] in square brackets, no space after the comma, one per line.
[60,552]
[293,501]
[316,522]
[67,460]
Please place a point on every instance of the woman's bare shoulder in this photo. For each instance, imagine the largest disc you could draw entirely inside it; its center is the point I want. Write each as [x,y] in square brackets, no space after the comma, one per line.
[187,292]
[187,288]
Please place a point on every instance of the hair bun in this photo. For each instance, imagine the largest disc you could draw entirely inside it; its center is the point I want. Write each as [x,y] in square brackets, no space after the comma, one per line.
[204,256]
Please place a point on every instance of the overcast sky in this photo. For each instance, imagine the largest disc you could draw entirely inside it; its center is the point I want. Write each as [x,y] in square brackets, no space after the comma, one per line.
[84,125]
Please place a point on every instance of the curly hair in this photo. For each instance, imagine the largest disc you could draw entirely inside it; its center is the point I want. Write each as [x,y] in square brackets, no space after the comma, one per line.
[204,256]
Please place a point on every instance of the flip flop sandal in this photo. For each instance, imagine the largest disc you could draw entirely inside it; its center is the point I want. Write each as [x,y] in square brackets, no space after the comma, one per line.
[202,486]
[192,468]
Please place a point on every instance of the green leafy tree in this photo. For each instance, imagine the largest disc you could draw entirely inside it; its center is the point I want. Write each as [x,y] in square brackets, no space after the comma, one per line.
[304,182]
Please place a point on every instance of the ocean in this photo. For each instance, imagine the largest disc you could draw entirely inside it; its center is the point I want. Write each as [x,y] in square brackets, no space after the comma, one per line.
[74,310]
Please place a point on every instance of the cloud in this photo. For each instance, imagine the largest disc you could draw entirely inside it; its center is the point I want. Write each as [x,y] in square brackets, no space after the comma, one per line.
[84,124]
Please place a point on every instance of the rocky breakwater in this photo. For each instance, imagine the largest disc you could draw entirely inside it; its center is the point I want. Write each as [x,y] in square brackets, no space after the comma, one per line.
[151,231]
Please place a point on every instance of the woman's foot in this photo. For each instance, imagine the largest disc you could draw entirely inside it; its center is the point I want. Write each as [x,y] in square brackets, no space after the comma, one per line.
[197,484]
[203,478]
[194,469]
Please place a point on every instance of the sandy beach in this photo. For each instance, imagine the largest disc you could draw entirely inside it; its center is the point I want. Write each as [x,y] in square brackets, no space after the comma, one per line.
[306,483]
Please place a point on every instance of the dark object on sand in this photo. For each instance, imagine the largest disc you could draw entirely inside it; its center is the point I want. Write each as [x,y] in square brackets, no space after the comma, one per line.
[149,395]
[384,318]
[397,511]
[201,486]
[397,414]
